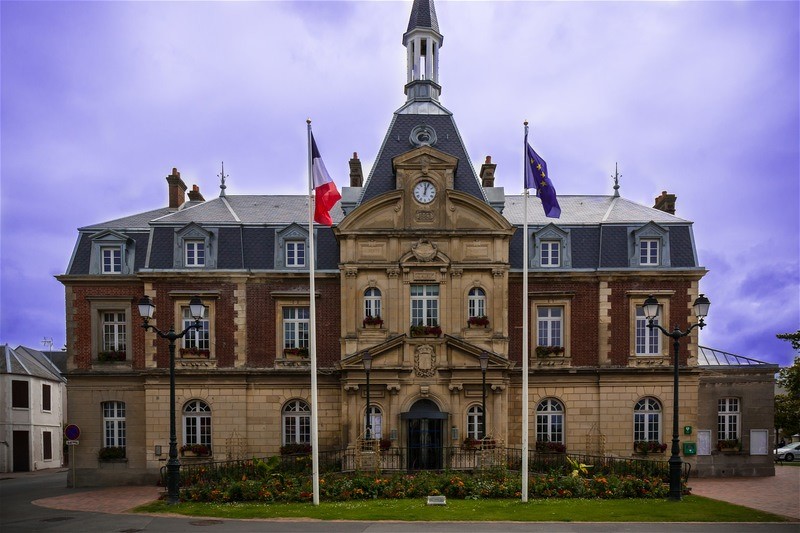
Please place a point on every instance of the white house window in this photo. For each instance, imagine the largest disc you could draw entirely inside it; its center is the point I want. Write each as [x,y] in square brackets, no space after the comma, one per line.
[114,331]
[295,327]
[196,338]
[475,425]
[550,326]
[46,399]
[550,253]
[649,252]
[295,253]
[195,253]
[114,424]
[647,420]
[476,302]
[372,302]
[424,305]
[648,340]
[550,421]
[728,419]
[111,257]
[197,423]
[296,422]
[376,421]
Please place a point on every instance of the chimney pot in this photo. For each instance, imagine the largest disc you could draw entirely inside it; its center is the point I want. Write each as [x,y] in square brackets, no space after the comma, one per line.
[194,194]
[356,173]
[487,172]
[665,202]
[176,189]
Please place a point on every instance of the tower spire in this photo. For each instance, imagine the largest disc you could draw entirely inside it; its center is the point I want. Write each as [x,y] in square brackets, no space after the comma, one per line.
[616,178]
[423,41]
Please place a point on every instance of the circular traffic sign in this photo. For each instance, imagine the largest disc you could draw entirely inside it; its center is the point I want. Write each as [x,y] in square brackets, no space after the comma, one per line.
[72,432]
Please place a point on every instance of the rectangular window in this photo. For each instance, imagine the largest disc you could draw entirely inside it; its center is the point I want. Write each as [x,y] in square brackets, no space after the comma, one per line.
[47,445]
[295,253]
[295,327]
[424,305]
[551,253]
[46,404]
[196,338]
[19,394]
[195,253]
[648,252]
[114,424]
[648,340]
[728,419]
[112,259]
[114,331]
[551,326]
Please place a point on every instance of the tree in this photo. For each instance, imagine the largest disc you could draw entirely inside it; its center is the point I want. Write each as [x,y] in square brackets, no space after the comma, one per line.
[787,406]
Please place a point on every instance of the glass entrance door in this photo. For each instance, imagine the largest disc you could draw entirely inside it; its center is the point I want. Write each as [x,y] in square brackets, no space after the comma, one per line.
[424,444]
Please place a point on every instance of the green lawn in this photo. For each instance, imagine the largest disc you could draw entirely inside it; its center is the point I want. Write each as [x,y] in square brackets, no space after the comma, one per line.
[691,509]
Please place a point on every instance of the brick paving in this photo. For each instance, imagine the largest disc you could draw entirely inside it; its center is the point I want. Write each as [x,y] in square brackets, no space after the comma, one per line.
[778,495]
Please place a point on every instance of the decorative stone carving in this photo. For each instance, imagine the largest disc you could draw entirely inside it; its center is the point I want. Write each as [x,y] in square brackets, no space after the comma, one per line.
[351,272]
[425,361]
[498,272]
[393,388]
[456,388]
[456,272]
[423,216]
[423,135]
[393,272]
[424,391]
[351,387]
[424,250]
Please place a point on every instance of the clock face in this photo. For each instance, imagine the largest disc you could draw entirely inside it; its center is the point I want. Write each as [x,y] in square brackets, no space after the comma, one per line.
[424,192]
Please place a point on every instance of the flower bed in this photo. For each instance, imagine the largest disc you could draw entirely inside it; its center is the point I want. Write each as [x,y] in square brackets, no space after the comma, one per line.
[262,483]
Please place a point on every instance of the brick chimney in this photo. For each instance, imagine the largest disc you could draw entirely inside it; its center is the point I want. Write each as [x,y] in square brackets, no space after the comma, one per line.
[356,174]
[487,172]
[195,196]
[666,203]
[177,189]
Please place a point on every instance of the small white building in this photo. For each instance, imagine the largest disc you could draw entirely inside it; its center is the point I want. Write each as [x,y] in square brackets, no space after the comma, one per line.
[32,402]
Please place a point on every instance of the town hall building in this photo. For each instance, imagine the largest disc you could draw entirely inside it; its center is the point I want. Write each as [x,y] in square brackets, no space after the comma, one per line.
[422,275]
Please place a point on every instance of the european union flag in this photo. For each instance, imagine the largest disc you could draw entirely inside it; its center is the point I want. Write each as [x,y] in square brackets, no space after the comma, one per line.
[536,177]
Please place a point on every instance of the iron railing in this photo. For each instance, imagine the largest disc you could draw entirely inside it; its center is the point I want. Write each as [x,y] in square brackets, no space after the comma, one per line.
[403,460]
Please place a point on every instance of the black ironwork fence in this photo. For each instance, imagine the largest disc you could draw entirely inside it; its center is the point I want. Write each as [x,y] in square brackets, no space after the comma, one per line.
[400,459]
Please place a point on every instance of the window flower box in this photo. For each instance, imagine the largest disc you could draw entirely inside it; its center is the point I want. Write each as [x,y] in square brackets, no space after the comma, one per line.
[649,446]
[111,356]
[195,352]
[296,448]
[297,352]
[478,321]
[385,444]
[111,454]
[729,446]
[550,447]
[195,450]
[426,331]
[549,351]
[374,321]
[470,444]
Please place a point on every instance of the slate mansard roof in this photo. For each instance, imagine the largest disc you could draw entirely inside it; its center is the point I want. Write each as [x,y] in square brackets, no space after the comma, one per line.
[246,229]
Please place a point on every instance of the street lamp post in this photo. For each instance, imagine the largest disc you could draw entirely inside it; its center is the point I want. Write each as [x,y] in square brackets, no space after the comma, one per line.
[651,308]
[147,308]
[484,360]
[367,360]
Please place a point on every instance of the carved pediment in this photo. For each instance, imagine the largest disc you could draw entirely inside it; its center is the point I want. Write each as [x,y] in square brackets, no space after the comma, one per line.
[424,250]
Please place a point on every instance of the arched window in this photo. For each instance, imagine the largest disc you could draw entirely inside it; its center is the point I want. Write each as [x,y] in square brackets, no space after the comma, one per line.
[475,425]
[476,303]
[376,422]
[647,420]
[113,424]
[197,423]
[550,421]
[372,302]
[296,422]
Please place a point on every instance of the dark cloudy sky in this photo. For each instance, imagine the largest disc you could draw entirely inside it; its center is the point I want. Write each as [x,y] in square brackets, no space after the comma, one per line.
[101,99]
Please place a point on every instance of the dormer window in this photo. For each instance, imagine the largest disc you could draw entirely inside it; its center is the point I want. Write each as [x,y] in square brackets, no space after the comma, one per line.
[111,259]
[551,253]
[195,253]
[649,252]
[295,253]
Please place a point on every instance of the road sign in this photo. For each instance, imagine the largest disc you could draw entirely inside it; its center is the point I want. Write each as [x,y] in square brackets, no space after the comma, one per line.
[72,442]
[72,432]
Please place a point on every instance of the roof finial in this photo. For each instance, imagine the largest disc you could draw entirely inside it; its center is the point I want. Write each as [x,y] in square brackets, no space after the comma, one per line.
[616,177]
[222,185]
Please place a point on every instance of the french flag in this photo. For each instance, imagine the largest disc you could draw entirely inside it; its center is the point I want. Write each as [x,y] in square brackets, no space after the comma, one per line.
[325,190]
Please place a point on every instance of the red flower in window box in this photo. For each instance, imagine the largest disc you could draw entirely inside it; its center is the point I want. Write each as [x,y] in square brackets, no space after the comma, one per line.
[422,331]
[372,321]
[479,321]
[195,352]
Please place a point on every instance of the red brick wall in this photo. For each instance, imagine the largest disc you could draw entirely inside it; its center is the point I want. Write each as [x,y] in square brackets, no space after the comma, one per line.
[81,313]
[262,338]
